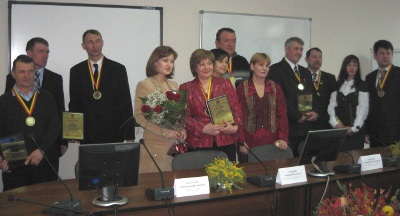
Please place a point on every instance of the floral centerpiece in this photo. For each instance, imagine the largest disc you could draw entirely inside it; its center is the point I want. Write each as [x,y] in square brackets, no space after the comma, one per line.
[223,174]
[167,110]
[395,150]
[360,201]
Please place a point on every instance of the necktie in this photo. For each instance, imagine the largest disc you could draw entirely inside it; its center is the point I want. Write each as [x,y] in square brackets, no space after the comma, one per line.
[96,72]
[314,78]
[296,71]
[37,80]
[381,75]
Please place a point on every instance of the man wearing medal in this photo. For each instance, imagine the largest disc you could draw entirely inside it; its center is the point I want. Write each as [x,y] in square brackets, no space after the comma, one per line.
[99,89]
[226,40]
[294,80]
[25,109]
[383,122]
[323,86]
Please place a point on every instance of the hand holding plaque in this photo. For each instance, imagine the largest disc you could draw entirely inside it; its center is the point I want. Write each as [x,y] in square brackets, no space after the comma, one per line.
[220,110]
[304,102]
[72,126]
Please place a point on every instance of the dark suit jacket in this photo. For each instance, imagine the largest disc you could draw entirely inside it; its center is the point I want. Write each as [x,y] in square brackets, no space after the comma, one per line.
[383,120]
[321,101]
[53,83]
[109,119]
[283,74]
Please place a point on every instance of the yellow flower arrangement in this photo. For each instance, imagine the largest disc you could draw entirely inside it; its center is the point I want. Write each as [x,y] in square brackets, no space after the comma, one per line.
[395,149]
[223,174]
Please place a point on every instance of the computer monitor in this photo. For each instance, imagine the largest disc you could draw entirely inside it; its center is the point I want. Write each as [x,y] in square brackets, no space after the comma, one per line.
[108,164]
[325,146]
[240,75]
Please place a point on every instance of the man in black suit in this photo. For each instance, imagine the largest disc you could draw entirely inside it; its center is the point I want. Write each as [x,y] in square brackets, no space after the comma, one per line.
[38,49]
[27,110]
[99,89]
[383,121]
[323,86]
[294,80]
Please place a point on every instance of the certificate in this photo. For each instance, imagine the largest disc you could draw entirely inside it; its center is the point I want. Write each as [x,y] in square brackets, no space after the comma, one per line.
[304,102]
[13,149]
[220,110]
[72,126]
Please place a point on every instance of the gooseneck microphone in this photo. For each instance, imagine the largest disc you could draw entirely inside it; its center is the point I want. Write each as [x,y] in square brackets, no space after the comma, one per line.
[260,181]
[387,161]
[67,207]
[162,193]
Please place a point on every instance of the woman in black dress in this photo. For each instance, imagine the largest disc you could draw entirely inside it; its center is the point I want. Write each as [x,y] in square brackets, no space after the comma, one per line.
[348,107]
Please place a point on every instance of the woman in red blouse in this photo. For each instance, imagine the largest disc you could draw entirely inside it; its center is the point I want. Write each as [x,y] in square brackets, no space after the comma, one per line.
[263,107]
[201,133]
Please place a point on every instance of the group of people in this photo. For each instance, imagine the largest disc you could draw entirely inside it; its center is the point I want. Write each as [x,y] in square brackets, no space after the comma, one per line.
[265,108]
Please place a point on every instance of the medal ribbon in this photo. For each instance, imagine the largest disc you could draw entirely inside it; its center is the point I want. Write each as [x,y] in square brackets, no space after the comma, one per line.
[297,74]
[382,84]
[230,67]
[208,95]
[27,110]
[316,85]
[96,83]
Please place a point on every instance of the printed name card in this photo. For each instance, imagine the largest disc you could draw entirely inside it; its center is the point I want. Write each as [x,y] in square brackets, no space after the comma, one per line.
[191,186]
[291,175]
[370,162]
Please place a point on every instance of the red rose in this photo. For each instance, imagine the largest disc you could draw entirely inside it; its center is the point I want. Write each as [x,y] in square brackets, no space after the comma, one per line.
[177,97]
[170,95]
[146,108]
[158,109]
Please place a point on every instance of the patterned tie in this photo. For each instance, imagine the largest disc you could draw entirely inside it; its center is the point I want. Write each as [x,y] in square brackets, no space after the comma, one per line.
[37,80]
[314,78]
[296,71]
[96,71]
[381,76]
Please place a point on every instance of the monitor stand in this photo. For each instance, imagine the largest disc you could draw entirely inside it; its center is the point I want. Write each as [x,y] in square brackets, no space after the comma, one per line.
[320,170]
[110,197]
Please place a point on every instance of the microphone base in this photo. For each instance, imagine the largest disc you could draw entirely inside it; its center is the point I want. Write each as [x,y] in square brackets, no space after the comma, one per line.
[352,168]
[262,181]
[389,162]
[160,193]
[64,207]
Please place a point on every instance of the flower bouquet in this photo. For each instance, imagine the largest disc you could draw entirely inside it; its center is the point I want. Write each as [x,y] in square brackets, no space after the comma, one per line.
[223,174]
[360,201]
[395,150]
[167,110]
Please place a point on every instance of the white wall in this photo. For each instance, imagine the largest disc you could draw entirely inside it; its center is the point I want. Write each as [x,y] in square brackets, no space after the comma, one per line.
[339,28]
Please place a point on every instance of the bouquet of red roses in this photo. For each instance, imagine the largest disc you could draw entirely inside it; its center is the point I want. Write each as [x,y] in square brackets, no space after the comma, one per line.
[167,110]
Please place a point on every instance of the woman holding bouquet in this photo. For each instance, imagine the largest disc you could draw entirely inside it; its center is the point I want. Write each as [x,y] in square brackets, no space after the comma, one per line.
[201,133]
[158,139]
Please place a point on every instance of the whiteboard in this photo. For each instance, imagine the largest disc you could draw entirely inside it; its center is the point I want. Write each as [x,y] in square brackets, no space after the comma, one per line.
[396,59]
[130,34]
[255,33]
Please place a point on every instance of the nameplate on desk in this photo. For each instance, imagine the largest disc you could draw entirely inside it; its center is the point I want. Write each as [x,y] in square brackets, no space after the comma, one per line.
[370,162]
[191,186]
[291,175]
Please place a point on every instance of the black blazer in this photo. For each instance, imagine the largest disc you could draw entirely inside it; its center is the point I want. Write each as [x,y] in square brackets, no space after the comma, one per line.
[383,120]
[321,100]
[283,74]
[109,119]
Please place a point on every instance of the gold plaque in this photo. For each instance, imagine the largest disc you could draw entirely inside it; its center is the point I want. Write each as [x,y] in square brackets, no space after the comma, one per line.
[304,102]
[13,148]
[220,110]
[72,126]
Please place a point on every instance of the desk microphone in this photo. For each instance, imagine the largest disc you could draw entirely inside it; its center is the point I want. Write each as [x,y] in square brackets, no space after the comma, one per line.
[63,207]
[352,168]
[387,161]
[260,181]
[162,193]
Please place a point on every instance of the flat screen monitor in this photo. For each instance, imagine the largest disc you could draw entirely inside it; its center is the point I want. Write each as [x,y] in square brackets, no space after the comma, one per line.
[324,145]
[102,165]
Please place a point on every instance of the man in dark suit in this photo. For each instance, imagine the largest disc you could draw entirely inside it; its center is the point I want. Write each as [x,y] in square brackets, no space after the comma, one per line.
[99,89]
[323,86]
[27,110]
[383,121]
[294,80]
[38,49]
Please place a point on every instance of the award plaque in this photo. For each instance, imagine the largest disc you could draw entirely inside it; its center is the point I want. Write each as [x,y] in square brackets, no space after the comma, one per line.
[13,148]
[220,110]
[304,102]
[72,126]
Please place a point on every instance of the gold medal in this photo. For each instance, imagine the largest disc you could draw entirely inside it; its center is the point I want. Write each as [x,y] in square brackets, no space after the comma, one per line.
[300,86]
[30,121]
[97,95]
[381,93]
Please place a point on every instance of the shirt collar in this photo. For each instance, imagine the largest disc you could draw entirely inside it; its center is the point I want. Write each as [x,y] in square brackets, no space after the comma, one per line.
[291,64]
[26,97]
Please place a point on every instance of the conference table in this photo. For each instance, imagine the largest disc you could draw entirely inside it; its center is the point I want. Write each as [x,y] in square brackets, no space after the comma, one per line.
[293,199]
